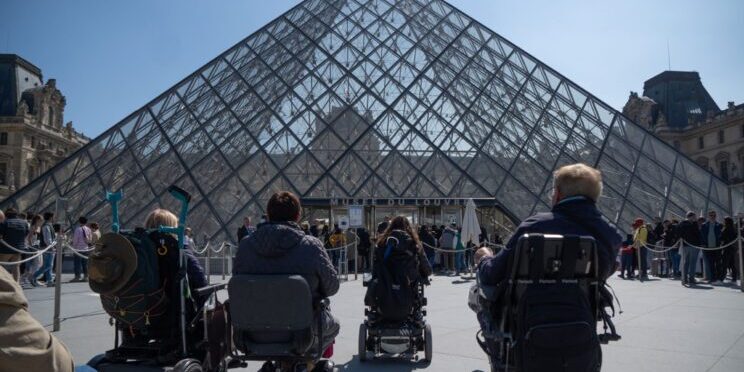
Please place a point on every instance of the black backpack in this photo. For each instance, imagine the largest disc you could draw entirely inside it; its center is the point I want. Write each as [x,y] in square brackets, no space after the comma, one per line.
[393,288]
[143,301]
[556,331]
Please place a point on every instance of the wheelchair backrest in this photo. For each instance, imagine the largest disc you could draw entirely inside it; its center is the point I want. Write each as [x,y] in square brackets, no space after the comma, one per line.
[554,257]
[269,303]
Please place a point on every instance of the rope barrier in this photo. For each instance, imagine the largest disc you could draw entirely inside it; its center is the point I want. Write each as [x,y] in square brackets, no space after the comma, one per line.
[450,250]
[206,246]
[37,254]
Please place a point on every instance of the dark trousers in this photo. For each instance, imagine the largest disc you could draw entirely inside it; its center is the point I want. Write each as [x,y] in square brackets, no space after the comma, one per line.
[729,262]
[643,269]
[80,265]
[626,261]
[713,261]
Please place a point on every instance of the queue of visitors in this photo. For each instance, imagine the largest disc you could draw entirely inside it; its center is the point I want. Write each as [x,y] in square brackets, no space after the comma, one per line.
[676,249]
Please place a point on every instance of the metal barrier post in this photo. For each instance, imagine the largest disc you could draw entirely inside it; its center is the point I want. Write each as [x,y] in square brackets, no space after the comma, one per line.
[208,266]
[741,258]
[356,257]
[224,262]
[57,284]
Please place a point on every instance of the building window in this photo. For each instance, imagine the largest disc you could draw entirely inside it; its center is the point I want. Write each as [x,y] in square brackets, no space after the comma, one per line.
[51,116]
[724,166]
[3,172]
[701,142]
[3,138]
[33,142]
[720,137]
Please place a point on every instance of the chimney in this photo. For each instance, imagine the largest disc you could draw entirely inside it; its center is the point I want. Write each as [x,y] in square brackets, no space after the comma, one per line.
[52,83]
[731,105]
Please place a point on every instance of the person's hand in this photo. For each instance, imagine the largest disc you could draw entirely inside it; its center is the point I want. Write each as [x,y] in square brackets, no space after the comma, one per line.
[481,253]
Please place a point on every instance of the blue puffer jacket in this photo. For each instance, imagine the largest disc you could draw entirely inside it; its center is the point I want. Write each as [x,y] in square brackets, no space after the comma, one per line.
[561,220]
[282,248]
[14,231]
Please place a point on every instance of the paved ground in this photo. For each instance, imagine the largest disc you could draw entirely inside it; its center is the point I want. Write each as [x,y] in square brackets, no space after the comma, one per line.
[665,327]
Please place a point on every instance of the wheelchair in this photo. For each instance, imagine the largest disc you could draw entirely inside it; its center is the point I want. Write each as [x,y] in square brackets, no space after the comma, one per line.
[273,320]
[159,349]
[397,338]
[562,273]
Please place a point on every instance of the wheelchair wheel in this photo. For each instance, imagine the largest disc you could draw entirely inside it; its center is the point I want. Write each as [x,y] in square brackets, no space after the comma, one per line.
[428,350]
[363,343]
[188,365]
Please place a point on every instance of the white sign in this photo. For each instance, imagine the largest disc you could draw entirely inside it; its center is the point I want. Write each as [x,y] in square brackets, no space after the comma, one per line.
[356,213]
[343,222]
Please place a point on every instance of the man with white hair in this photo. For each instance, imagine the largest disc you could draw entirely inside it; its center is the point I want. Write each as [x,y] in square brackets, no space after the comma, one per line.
[576,190]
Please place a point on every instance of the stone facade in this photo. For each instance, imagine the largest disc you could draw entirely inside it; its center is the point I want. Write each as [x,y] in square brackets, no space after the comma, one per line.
[33,135]
[716,141]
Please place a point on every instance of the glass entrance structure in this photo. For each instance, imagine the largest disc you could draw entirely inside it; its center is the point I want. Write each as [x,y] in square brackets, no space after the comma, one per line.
[371,99]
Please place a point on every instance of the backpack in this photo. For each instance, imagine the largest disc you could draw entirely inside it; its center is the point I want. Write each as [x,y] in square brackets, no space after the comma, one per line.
[556,328]
[143,300]
[393,289]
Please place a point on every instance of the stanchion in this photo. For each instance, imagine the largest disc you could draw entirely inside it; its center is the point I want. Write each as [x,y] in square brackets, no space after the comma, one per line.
[224,262]
[208,266]
[741,258]
[57,285]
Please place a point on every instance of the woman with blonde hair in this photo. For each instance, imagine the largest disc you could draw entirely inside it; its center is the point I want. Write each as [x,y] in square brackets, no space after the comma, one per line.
[163,217]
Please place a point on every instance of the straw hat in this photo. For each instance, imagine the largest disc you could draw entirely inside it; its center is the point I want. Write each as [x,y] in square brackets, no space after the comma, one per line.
[111,264]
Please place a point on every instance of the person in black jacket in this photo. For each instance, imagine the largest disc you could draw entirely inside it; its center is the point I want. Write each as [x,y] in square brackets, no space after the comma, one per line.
[246,229]
[280,247]
[14,232]
[401,231]
[728,235]
[689,231]
[364,246]
[670,239]
[429,242]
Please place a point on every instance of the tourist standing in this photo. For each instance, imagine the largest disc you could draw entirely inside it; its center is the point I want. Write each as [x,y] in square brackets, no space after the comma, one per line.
[728,236]
[246,229]
[48,238]
[447,242]
[14,232]
[81,240]
[626,258]
[32,242]
[711,231]
[336,240]
[95,229]
[364,248]
[429,242]
[640,238]
[670,239]
[689,231]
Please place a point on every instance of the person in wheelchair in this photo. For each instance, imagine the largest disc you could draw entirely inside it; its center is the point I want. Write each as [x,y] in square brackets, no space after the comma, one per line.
[576,190]
[279,246]
[395,293]
[398,253]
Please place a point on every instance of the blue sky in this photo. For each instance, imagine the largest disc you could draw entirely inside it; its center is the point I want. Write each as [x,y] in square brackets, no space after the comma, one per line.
[111,57]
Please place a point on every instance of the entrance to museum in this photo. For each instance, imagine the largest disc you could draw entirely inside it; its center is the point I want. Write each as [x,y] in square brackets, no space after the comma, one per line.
[368,213]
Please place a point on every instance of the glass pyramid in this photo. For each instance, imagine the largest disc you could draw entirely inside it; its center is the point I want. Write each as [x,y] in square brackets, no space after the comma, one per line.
[371,98]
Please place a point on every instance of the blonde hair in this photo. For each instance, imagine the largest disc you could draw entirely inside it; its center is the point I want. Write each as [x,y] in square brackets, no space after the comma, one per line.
[578,179]
[160,217]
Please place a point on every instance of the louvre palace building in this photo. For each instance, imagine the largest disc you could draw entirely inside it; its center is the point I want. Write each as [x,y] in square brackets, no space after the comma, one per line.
[372,108]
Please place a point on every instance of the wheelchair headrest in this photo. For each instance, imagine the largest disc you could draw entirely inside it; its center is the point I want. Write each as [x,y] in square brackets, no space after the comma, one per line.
[270,302]
[548,256]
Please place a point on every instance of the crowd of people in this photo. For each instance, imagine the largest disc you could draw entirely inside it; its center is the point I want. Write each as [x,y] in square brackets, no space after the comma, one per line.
[442,245]
[24,235]
[674,249]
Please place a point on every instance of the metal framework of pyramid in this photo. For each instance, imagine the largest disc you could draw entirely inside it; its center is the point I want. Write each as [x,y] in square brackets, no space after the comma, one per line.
[376,98]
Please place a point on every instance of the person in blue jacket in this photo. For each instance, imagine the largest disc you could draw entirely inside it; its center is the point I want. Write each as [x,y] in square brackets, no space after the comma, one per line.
[576,190]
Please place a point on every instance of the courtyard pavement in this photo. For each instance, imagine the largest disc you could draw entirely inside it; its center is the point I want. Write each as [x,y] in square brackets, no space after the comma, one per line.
[665,327]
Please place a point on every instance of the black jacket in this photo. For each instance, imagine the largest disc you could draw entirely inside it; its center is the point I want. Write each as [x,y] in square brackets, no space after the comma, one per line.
[282,248]
[14,231]
[405,244]
[690,232]
[575,216]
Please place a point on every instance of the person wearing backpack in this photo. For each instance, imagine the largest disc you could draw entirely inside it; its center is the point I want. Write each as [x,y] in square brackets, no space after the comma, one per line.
[81,241]
[576,191]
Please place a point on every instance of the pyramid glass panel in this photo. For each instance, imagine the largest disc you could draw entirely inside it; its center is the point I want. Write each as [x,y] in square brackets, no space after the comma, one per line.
[372,99]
